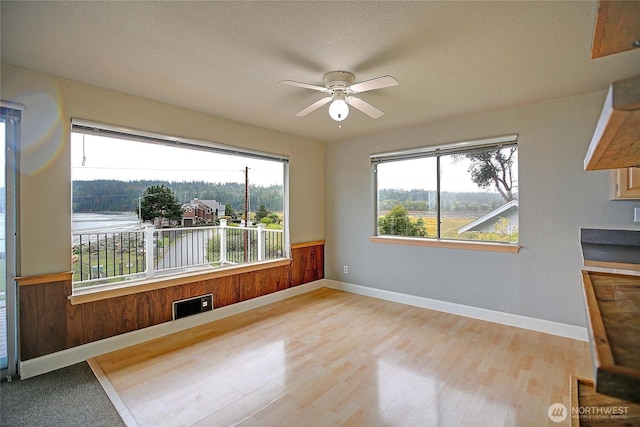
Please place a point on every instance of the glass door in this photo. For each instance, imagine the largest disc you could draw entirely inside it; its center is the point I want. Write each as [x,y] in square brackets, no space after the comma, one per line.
[3,258]
[9,134]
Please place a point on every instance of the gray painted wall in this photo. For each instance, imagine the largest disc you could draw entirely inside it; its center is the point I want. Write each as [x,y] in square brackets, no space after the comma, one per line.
[557,197]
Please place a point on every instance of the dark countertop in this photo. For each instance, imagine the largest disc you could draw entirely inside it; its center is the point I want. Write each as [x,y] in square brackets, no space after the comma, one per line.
[611,248]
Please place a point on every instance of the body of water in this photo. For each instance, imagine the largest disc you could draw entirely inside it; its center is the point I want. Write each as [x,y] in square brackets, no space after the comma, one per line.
[99,222]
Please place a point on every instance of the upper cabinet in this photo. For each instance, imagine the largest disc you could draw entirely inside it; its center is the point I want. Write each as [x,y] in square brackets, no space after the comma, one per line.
[626,184]
[617,28]
[616,141]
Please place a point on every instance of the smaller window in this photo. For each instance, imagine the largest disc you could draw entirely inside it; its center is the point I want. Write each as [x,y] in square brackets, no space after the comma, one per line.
[462,191]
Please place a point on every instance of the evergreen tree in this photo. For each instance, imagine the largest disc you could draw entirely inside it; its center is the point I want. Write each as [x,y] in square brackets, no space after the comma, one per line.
[261,213]
[230,212]
[159,203]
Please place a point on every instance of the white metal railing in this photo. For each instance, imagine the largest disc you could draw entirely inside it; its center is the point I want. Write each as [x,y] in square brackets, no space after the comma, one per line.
[112,256]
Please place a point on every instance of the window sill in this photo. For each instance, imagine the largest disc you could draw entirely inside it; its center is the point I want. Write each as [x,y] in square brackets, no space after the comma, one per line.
[86,295]
[451,244]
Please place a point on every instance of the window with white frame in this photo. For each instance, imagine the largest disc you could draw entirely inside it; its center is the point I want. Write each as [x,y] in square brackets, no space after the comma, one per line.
[146,205]
[464,191]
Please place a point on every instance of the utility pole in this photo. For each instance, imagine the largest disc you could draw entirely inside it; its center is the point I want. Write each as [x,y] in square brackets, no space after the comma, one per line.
[246,214]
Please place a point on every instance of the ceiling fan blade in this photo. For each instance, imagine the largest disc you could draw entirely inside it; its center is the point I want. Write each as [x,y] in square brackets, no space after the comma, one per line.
[377,83]
[304,85]
[314,106]
[365,107]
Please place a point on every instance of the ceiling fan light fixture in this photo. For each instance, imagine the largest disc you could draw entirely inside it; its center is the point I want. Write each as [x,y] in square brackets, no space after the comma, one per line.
[339,110]
[341,90]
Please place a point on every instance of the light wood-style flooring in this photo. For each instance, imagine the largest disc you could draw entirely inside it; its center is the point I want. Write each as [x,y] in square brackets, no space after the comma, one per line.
[331,358]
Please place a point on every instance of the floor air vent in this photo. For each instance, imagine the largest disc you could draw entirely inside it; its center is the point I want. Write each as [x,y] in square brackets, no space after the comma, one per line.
[191,306]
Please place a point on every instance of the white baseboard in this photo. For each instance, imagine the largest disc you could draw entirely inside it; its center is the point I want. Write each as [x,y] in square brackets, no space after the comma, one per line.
[71,356]
[61,359]
[524,322]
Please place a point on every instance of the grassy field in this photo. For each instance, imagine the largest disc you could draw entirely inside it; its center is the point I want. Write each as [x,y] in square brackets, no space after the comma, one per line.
[451,225]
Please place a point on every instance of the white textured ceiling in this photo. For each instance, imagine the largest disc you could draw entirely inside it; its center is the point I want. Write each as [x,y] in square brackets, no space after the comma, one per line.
[226,58]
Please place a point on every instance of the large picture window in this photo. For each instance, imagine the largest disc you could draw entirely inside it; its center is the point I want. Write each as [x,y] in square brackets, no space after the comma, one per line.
[148,205]
[463,191]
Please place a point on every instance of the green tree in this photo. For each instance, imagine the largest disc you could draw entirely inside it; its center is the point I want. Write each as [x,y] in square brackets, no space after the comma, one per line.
[398,223]
[275,219]
[159,203]
[262,212]
[229,211]
[493,167]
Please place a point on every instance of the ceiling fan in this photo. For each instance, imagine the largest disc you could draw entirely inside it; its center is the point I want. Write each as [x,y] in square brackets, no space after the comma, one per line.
[339,85]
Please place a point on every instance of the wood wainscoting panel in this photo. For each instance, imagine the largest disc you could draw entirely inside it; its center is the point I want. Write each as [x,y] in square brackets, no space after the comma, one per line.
[43,318]
[106,322]
[307,265]
[130,312]
[50,323]
[79,317]
[226,291]
[263,282]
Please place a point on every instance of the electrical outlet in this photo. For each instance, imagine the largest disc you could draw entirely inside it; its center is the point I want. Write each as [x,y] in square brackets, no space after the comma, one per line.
[346,269]
[636,214]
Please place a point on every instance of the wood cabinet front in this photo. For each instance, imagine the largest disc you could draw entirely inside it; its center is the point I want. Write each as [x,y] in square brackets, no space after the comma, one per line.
[626,184]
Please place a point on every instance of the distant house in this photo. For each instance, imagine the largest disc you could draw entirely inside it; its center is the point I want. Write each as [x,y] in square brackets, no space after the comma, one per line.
[487,223]
[201,212]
